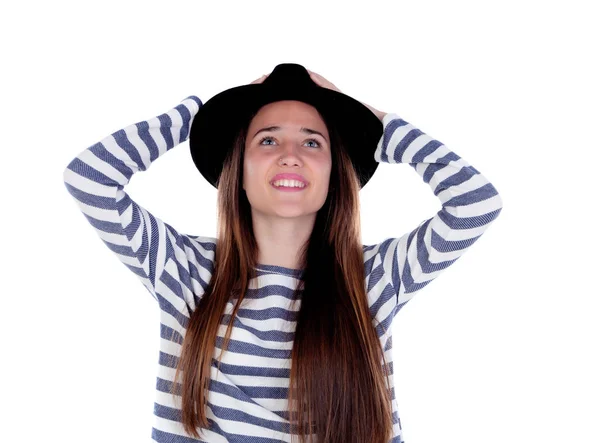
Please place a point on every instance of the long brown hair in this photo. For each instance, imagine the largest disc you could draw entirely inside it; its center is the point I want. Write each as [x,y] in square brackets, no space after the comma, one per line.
[336,376]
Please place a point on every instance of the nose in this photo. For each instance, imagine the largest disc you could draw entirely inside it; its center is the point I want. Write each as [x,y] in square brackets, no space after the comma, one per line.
[290,156]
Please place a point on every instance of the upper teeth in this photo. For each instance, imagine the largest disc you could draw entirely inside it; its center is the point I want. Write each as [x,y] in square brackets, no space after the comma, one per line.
[289,183]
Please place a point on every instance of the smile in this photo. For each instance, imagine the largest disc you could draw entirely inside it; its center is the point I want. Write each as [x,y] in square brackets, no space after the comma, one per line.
[289,188]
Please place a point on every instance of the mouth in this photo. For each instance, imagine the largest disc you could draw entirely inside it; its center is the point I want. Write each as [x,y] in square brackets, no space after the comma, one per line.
[291,188]
[292,178]
[289,182]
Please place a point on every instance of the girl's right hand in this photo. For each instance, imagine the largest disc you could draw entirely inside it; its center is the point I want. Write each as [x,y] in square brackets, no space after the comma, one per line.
[260,80]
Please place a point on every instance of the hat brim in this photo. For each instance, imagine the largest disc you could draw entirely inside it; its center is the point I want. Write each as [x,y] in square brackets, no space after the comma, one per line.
[217,122]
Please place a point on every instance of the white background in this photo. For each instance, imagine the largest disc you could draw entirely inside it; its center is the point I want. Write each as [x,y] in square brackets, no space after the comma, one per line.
[502,347]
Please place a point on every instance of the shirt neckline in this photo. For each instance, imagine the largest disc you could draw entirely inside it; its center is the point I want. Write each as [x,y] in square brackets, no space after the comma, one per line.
[279,270]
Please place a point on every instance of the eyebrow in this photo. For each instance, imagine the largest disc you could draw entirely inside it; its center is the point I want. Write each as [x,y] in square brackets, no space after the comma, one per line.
[278,128]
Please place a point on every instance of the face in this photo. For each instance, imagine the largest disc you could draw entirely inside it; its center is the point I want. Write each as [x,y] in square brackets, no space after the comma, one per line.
[290,149]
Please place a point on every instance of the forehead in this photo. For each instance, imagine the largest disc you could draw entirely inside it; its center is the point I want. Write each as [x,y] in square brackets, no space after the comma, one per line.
[289,114]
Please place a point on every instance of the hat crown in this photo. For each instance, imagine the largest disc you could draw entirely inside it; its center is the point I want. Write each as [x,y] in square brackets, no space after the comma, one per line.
[213,130]
[288,74]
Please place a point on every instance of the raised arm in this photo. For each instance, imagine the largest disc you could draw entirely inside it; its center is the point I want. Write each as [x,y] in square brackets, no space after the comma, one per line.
[470,203]
[95,178]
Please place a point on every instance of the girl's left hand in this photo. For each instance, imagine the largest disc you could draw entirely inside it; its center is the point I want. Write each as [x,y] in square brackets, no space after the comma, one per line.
[323,82]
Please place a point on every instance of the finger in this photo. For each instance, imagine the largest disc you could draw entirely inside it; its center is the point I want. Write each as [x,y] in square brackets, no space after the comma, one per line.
[322,80]
[260,79]
[315,78]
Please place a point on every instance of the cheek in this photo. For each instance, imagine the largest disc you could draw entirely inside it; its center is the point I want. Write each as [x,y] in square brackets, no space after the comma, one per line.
[252,170]
[327,169]
[249,169]
[245,172]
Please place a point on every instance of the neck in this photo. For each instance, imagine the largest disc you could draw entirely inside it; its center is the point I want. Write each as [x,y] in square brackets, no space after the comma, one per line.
[280,239]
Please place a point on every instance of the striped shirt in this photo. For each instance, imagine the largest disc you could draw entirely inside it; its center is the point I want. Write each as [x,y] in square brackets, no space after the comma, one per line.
[247,395]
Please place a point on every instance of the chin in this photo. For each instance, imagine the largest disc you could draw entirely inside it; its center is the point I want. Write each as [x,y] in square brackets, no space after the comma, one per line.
[291,213]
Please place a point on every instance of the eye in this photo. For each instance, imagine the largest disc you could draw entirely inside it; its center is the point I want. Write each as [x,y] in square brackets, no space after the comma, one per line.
[271,138]
[264,138]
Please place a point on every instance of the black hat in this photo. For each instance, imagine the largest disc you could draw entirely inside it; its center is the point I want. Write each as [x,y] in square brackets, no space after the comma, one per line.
[220,118]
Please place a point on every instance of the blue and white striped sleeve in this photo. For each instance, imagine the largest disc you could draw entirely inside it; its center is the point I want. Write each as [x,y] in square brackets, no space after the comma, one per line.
[96,177]
[470,203]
